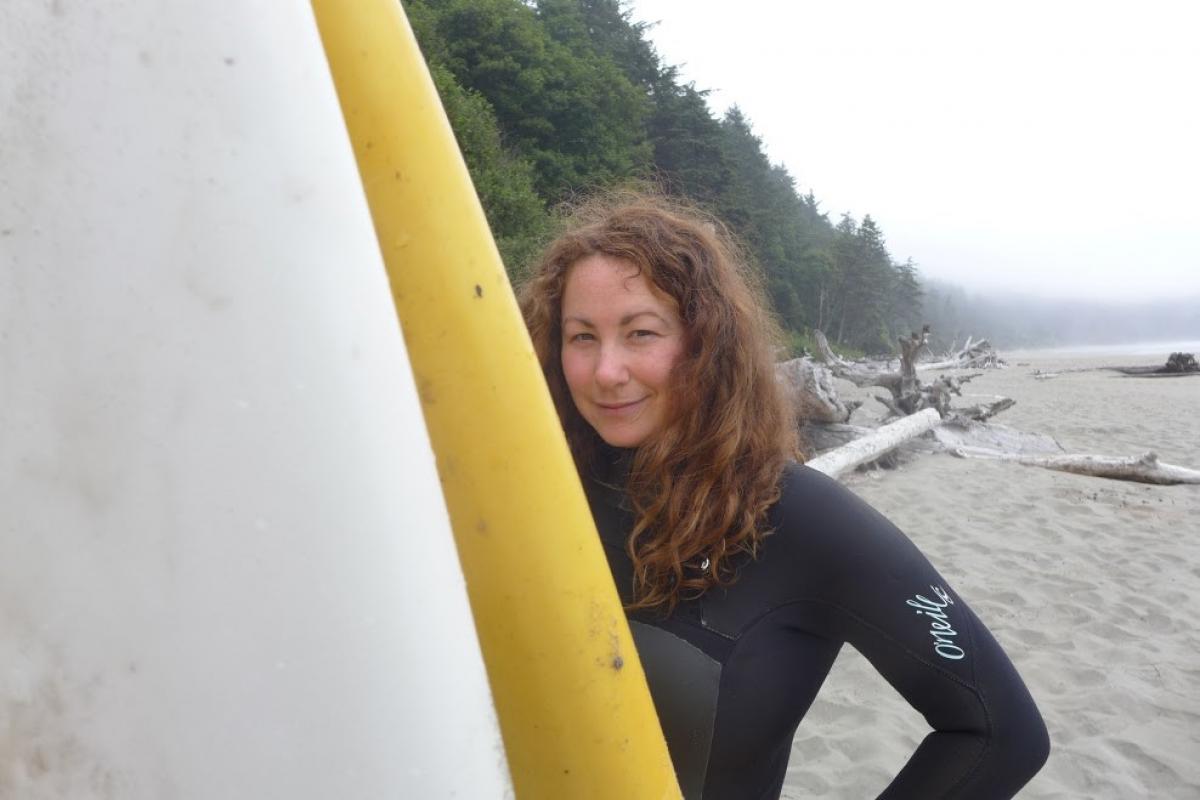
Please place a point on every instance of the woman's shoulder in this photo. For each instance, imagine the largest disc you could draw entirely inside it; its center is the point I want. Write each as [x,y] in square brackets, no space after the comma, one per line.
[814,508]
[839,543]
[801,486]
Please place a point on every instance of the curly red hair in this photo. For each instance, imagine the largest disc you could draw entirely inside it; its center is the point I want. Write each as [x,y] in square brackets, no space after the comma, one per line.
[700,488]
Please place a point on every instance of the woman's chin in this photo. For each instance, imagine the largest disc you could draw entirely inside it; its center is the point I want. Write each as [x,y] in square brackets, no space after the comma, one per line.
[622,439]
[624,436]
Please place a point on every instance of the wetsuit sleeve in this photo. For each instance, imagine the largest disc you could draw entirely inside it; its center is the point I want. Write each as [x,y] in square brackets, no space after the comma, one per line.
[877,591]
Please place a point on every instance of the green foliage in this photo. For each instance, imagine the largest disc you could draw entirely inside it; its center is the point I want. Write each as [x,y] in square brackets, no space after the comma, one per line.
[607,30]
[803,343]
[572,112]
[799,344]
[503,180]
[688,144]
[553,97]
[906,299]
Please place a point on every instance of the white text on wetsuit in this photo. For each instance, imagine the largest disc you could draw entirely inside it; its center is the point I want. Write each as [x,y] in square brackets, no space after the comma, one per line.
[939,626]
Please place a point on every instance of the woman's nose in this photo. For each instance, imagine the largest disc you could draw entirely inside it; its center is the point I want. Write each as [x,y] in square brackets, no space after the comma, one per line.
[611,369]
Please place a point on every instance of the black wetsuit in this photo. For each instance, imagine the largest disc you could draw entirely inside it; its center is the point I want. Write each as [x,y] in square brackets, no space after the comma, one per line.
[733,672]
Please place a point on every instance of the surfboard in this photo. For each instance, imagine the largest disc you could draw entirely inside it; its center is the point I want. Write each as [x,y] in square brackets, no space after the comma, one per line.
[570,693]
[226,566]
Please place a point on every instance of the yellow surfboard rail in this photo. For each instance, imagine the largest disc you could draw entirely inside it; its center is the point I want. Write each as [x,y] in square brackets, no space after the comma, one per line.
[575,712]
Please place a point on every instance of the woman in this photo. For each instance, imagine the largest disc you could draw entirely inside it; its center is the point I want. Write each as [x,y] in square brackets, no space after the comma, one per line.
[743,572]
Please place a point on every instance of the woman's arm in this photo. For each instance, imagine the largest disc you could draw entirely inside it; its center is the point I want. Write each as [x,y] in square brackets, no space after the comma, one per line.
[885,598]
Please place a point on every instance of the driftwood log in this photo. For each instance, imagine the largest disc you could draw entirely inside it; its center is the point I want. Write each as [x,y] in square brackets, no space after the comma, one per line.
[823,436]
[972,355]
[1143,469]
[876,444]
[825,353]
[824,417]
[1182,362]
[909,395]
[965,438]
[1178,364]
[813,391]
[982,412]
[906,393]
[994,437]
[963,431]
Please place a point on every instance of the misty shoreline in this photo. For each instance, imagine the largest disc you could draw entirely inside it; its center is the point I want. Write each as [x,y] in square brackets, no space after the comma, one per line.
[1157,349]
[1013,321]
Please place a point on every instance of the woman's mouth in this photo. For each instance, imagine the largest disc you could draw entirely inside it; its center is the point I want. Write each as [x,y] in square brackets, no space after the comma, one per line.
[620,409]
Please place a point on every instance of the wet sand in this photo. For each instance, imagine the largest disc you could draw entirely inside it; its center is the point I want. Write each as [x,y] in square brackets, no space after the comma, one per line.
[1092,586]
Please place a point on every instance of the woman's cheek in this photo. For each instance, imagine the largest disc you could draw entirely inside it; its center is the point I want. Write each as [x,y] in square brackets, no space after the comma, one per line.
[574,368]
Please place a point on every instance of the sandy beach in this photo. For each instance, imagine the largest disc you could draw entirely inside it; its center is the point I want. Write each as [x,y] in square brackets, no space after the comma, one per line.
[1092,586]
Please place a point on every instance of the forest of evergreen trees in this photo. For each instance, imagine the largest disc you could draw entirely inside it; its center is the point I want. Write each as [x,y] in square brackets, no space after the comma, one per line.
[550,98]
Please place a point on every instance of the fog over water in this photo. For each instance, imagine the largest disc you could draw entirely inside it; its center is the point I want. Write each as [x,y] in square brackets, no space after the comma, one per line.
[1155,349]
[1023,320]
[1045,148]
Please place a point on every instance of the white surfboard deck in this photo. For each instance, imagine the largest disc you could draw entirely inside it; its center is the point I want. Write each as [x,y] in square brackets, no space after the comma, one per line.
[226,570]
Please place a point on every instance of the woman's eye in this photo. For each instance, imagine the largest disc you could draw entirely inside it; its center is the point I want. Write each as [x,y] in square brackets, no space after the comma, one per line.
[580,337]
[643,334]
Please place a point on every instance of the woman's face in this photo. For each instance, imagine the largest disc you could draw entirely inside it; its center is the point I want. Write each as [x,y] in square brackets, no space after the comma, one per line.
[621,339]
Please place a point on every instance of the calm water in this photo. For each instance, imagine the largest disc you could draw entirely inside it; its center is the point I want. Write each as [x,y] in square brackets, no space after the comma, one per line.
[1162,349]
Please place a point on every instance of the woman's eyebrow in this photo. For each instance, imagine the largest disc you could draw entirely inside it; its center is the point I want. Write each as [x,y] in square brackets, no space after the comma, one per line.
[628,318]
[625,320]
[581,320]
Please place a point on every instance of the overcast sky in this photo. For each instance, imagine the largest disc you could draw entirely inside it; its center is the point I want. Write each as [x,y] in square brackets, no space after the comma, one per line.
[1051,146]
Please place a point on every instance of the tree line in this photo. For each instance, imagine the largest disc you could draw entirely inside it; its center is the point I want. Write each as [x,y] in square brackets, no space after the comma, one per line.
[549,98]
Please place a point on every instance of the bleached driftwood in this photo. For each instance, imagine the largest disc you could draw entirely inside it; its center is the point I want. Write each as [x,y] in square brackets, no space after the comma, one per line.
[973,354]
[823,438]
[825,353]
[967,433]
[820,437]
[871,447]
[813,391]
[863,372]
[939,395]
[982,412]
[908,394]
[1143,469]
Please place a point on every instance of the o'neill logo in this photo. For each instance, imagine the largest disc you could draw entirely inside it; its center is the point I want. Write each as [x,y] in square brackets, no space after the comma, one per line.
[939,623]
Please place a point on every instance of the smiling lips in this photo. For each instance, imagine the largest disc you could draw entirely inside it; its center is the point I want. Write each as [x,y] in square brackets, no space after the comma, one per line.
[619,409]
